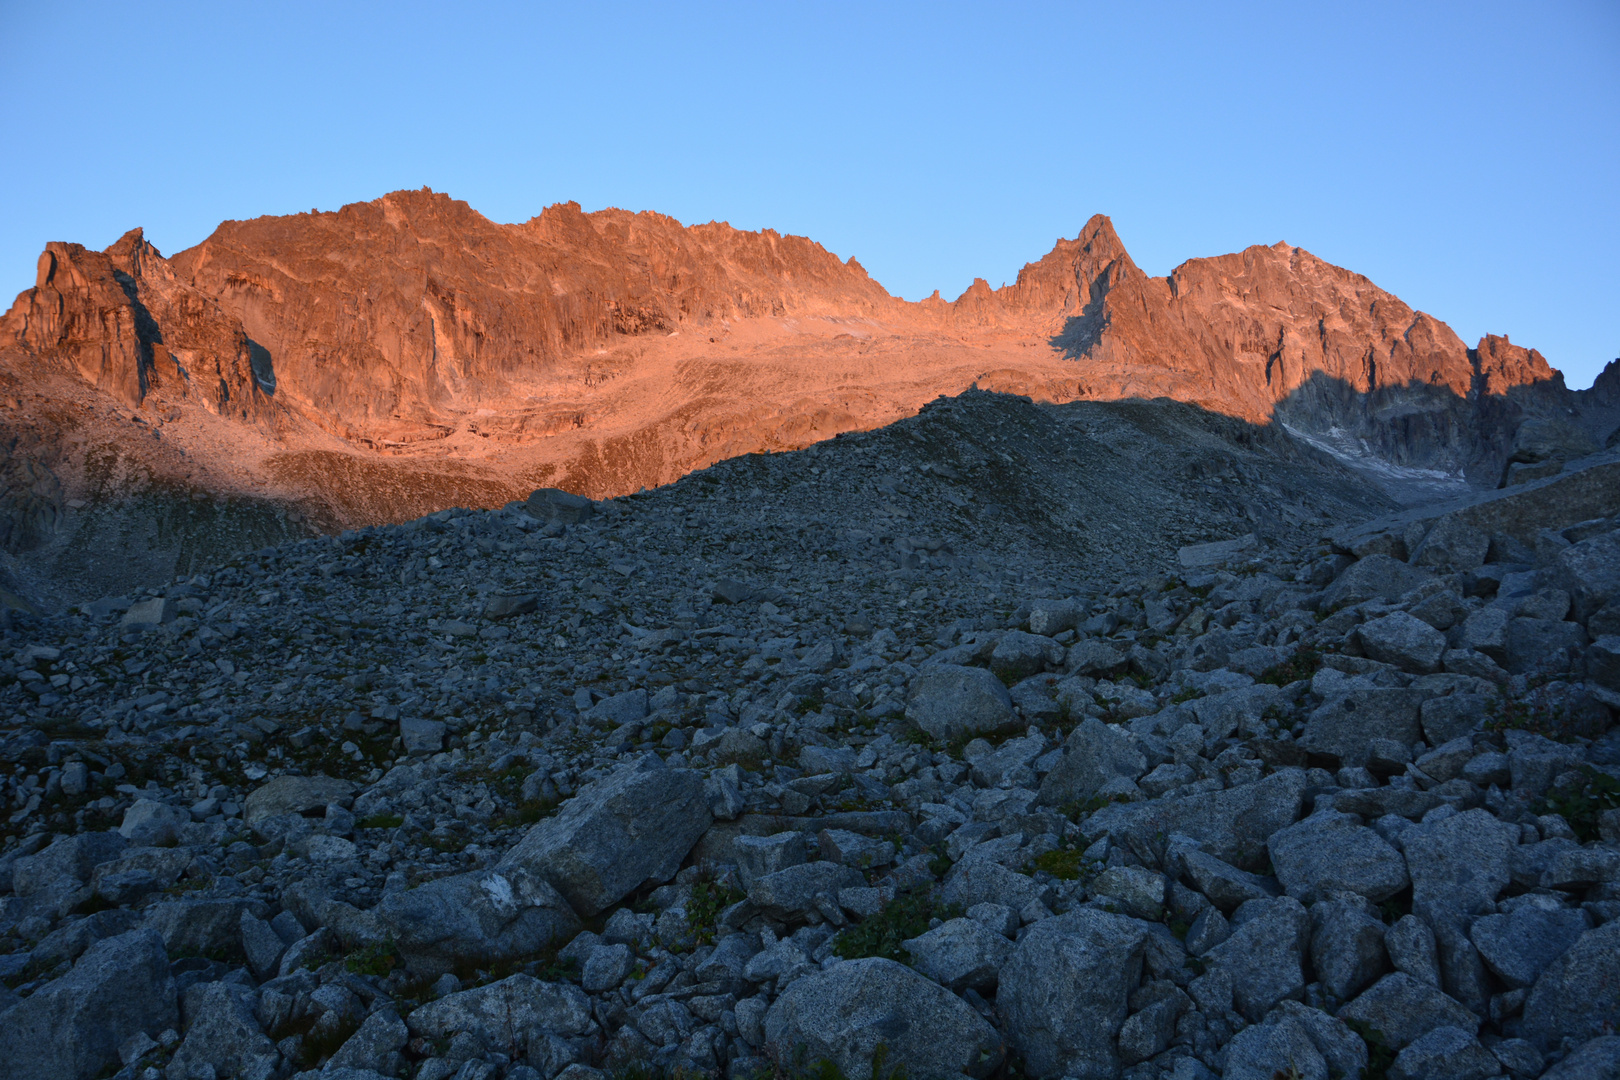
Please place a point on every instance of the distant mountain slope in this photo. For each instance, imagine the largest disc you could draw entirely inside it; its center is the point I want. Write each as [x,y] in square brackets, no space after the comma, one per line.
[396,356]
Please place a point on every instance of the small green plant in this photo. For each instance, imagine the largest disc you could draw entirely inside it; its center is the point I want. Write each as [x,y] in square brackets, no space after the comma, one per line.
[905,917]
[797,1068]
[1062,863]
[376,960]
[1302,665]
[1079,808]
[811,702]
[1181,697]
[1380,1055]
[382,821]
[995,738]
[708,900]
[1396,907]
[1581,804]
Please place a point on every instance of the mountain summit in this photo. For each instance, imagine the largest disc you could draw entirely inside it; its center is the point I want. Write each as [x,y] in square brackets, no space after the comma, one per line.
[398,356]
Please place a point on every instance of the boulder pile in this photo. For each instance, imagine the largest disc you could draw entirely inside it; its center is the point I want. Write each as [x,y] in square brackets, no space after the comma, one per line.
[487,797]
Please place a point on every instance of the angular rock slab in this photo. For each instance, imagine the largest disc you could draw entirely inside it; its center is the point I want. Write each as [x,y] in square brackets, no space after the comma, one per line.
[1065,992]
[845,1013]
[1403,640]
[947,701]
[292,795]
[1329,852]
[1519,946]
[1595,1059]
[476,919]
[1265,956]
[1232,825]
[960,953]
[509,1015]
[633,826]
[71,1028]
[1094,754]
[1405,1010]
[223,1033]
[1267,1051]
[1461,863]
[1578,995]
[1346,725]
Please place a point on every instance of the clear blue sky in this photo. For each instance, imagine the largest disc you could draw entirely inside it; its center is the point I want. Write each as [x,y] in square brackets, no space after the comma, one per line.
[1464,156]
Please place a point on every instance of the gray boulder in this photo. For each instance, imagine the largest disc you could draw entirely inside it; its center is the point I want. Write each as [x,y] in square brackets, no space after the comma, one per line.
[1575,996]
[1019,655]
[375,1045]
[151,823]
[635,825]
[1446,1053]
[1603,662]
[1590,572]
[1048,617]
[845,1013]
[1094,755]
[71,1028]
[1231,825]
[620,709]
[1225,885]
[975,881]
[1453,716]
[1404,1010]
[509,1016]
[960,953]
[53,880]
[506,607]
[1452,544]
[292,795]
[478,919]
[1265,956]
[793,891]
[948,701]
[1267,1051]
[222,1032]
[1403,640]
[1347,946]
[1149,1030]
[1346,725]
[1412,949]
[1544,645]
[1064,993]
[1092,657]
[1331,852]
[757,856]
[201,927]
[1377,577]
[1519,946]
[1460,863]
[1595,1059]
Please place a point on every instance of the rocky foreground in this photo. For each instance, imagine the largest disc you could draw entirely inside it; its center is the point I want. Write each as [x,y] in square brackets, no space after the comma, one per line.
[813,764]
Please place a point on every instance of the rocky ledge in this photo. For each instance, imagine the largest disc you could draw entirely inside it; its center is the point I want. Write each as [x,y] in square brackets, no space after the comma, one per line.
[731,791]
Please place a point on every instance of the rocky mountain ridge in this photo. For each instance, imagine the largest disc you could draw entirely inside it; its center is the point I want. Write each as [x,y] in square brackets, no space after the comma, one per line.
[320,371]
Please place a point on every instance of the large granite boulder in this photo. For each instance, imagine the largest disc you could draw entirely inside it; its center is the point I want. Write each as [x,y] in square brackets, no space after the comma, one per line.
[948,701]
[846,1013]
[1095,755]
[1232,825]
[71,1028]
[475,919]
[634,826]
[1065,992]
